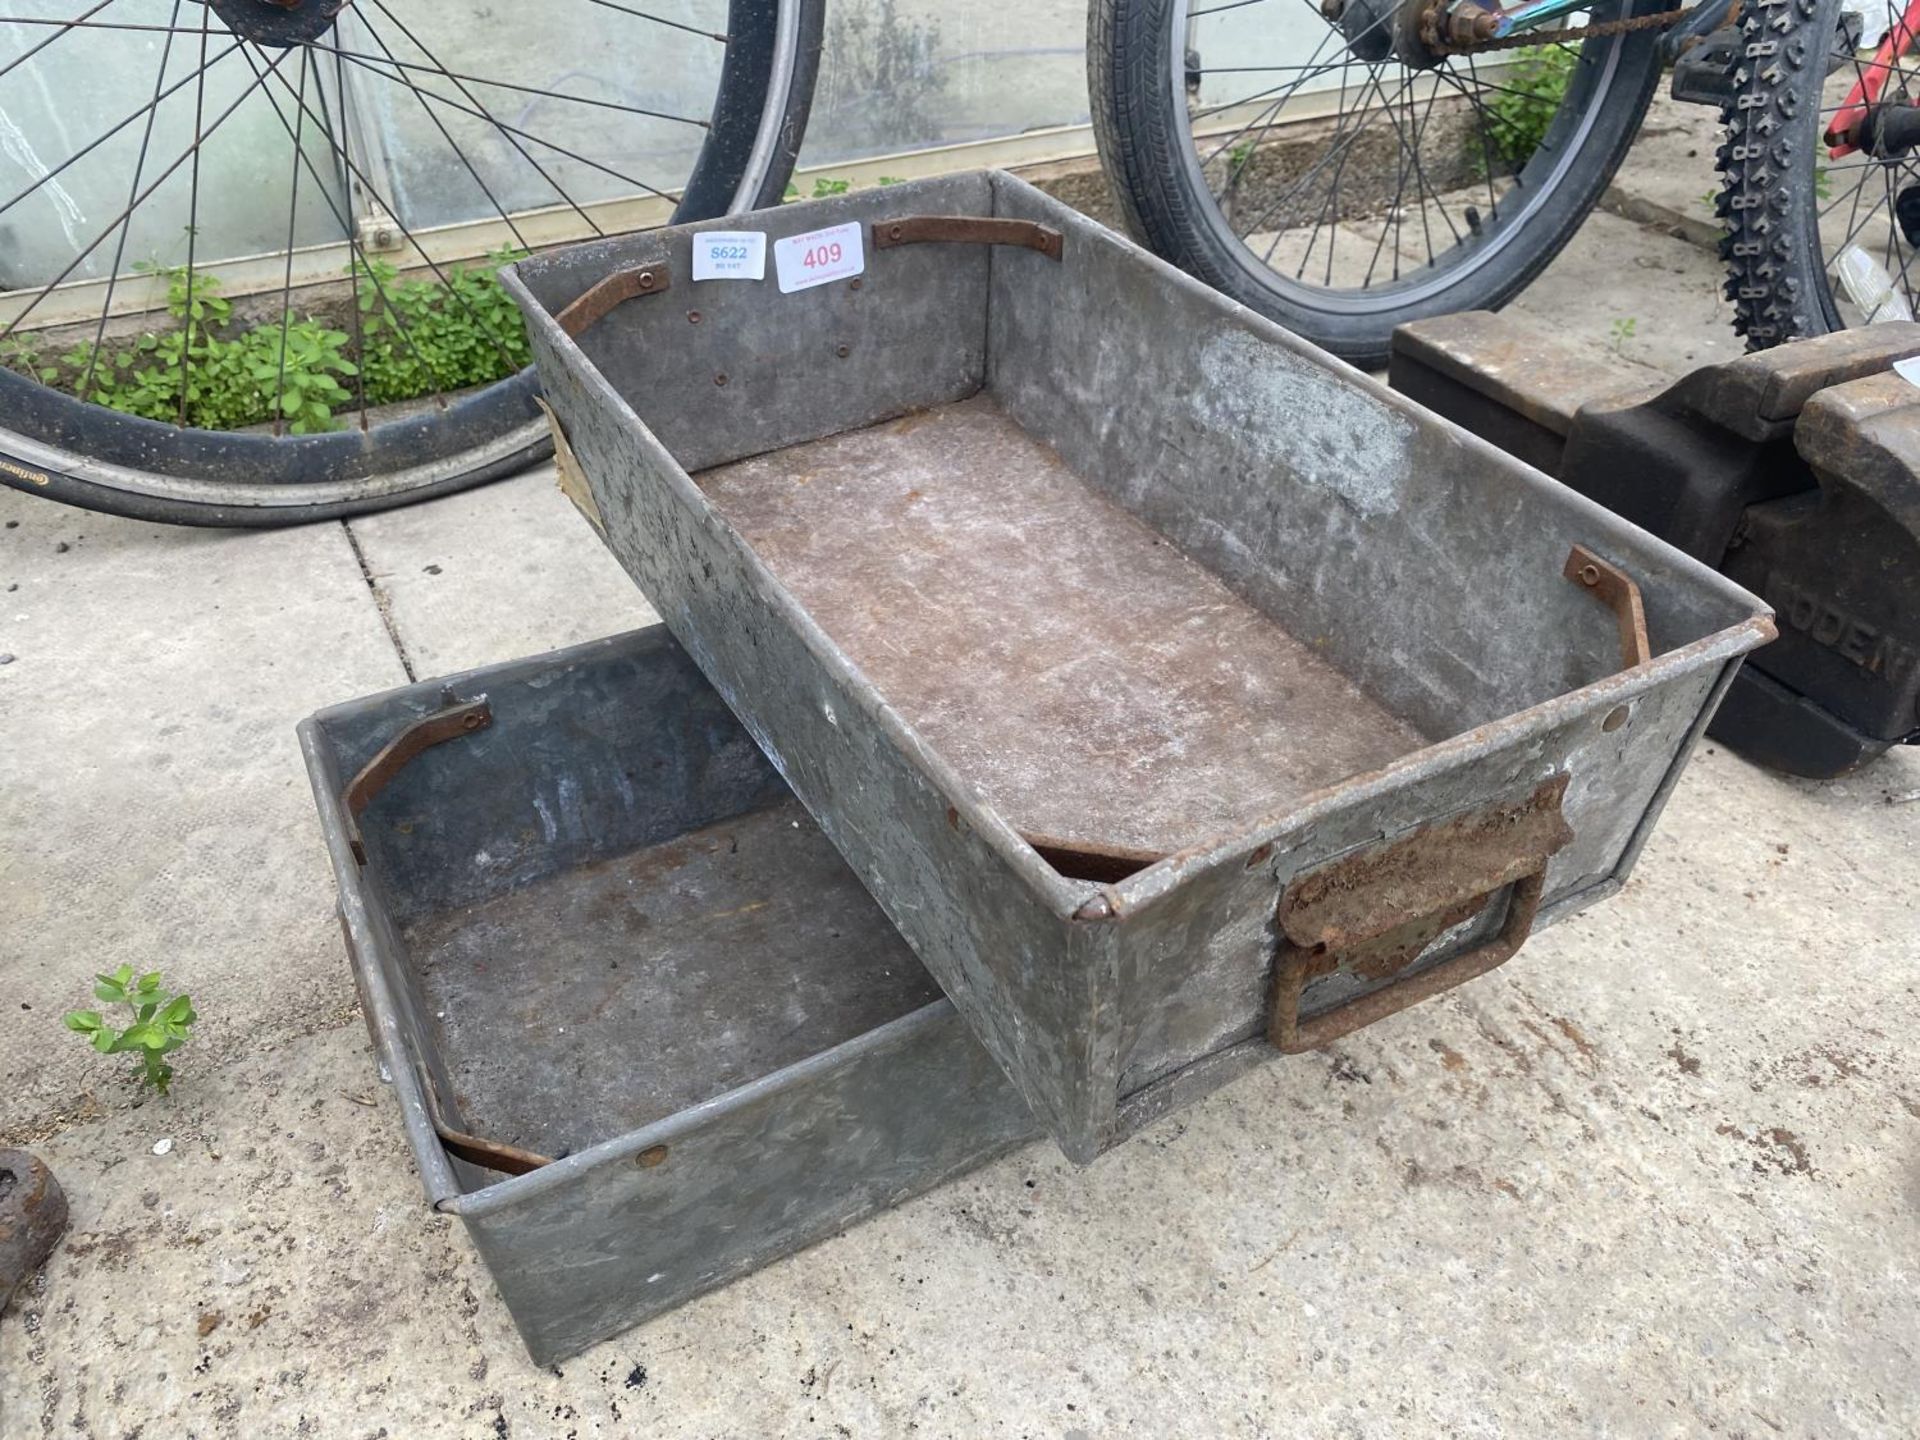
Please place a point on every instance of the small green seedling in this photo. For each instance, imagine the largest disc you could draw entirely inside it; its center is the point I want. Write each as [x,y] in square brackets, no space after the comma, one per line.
[159,1027]
[1622,330]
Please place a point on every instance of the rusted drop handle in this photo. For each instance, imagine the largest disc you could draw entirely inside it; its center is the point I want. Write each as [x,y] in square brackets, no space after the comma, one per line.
[1290,1034]
[1376,911]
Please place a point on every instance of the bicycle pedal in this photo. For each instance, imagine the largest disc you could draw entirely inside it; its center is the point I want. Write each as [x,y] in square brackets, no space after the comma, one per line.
[1704,74]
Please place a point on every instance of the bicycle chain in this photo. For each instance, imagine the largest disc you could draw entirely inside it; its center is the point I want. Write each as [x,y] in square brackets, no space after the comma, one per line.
[1430,32]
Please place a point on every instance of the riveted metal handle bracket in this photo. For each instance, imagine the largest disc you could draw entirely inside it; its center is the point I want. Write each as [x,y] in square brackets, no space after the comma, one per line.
[1373,913]
[1616,589]
[967,230]
[459,718]
[616,289]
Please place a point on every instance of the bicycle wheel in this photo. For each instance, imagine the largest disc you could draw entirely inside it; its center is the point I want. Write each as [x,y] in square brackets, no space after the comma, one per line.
[1338,173]
[305,186]
[1820,188]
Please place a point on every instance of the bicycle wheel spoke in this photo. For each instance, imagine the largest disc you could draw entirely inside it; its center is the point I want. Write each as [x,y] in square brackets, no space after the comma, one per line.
[99,239]
[126,223]
[659,20]
[193,217]
[293,216]
[356,251]
[66,27]
[463,79]
[461,155]
[487,115]
[366,183]
[108,134]
[514,131]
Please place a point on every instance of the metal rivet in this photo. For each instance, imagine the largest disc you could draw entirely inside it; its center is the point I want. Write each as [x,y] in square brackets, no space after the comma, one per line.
[693,317]
[646,281]
[651,1156]
[842,351]
[719,379]
[1616,717]
[893,232]
[471,722]
[854,286]
[1589,574]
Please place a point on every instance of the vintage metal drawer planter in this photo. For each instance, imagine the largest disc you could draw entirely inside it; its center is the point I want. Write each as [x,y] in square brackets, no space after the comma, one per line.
[1168,683]
[647,1030]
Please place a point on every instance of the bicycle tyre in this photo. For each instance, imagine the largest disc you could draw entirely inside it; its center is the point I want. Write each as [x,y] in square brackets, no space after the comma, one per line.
[1768,200]
[65,449]
[1138,121]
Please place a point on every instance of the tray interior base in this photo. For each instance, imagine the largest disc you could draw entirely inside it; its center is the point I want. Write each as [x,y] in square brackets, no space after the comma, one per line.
[596,1000]
[1099,688]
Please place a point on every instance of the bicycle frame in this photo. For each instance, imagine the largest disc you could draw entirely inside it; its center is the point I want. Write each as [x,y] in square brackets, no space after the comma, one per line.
[1865,93]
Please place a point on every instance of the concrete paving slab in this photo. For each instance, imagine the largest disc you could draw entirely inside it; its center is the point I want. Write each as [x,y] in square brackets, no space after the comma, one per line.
[1621,290]
[153,807]
[1667,180]
[495,573]
[1654,1177]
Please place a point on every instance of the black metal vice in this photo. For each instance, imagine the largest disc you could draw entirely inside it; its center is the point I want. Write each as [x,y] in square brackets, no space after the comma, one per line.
[1795,471]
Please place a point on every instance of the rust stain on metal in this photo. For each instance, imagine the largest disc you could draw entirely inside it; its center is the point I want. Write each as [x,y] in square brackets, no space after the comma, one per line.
[1097,686]
[1375,912]
[651,1156]
[615,290]
[475,1149]
[1085,860]
[967,230]
[458,719]
[1614,586]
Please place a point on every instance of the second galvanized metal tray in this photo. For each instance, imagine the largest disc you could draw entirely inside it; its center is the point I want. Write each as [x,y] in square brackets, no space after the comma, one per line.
[1172,686]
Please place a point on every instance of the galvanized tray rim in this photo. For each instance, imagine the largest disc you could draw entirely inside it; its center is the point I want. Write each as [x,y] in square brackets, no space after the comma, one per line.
[1138,890]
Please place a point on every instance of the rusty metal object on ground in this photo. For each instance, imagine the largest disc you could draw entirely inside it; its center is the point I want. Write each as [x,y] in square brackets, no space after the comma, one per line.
[1794,471]
[1373,914]
[33,1215]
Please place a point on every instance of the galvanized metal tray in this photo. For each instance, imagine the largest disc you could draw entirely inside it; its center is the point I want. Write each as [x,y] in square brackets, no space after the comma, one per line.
[647,1030]
[1171,685]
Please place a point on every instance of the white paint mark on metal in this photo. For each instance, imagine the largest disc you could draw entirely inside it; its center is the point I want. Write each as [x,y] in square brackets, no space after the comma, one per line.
[1304,421]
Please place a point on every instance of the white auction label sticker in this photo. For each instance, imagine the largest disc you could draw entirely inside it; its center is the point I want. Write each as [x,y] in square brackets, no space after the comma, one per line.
[730,255]
[803,261]
[1908,369]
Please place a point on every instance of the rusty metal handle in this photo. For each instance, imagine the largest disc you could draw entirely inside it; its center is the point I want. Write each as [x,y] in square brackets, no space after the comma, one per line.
[1375,911]
[967,230]
[1615,589]
[1295,966]
[459,718]
[616,289]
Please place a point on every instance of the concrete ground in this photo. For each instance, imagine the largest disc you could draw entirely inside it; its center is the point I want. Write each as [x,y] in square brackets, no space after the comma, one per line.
[1657,1176]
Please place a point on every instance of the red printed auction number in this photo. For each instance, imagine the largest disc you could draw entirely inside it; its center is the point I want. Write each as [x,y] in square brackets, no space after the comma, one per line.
[818,255]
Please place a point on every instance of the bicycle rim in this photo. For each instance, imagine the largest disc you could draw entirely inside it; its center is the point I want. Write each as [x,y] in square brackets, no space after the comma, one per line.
[600,152]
